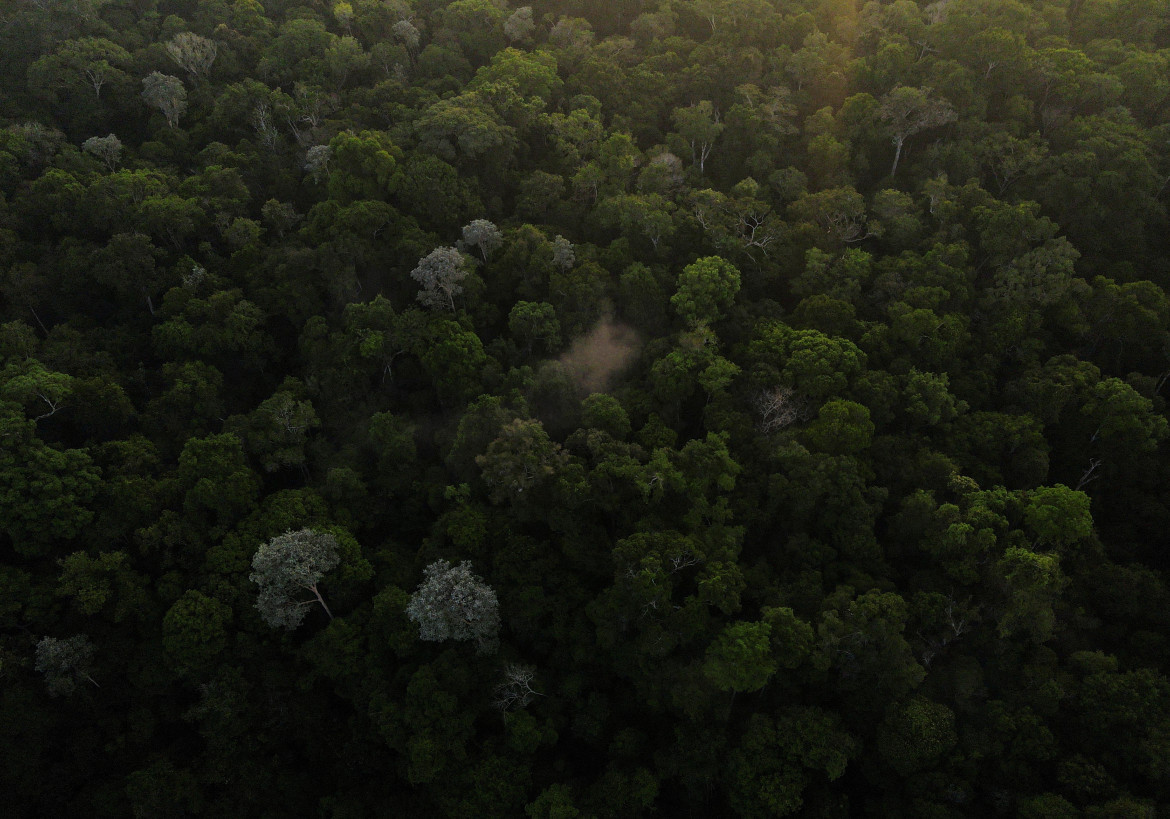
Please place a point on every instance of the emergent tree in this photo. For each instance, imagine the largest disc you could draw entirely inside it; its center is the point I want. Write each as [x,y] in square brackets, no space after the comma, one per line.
[285,567]
[453,603]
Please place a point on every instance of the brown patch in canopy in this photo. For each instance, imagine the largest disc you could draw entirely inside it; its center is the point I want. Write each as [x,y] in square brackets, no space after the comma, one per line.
[596,357]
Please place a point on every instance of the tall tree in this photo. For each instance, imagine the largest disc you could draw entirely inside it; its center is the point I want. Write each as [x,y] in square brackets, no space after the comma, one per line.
[907,111]
[453,603]
[286,567]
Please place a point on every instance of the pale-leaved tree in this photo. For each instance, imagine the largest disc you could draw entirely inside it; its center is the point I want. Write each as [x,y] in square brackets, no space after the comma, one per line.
[167,94]
[64,663]
[484,235]
[192,53]
[563,255]
[108,149]
[520,25]
[515,690]
[454,603]
[440,273]
[288,566]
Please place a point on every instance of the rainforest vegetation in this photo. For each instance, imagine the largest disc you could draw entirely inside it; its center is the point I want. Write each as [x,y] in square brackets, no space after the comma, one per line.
[590,408]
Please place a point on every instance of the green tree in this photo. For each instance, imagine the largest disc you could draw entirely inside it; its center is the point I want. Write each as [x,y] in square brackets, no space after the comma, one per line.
[1034,584]
[195,631]
[776,758]
[216,479]
[520,460]
[915,735]
[740,658]
[278,430]
[907,111]
[90,62]
[45,492]
[699,127]
[1058,516]
[533,322]
[706,290]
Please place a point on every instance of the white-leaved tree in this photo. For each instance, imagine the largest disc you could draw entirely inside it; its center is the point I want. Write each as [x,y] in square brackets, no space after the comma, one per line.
[454,603]
[167,94]
[64,663]
[440,273]
[407,34]
[192,53]
[484,235]
[520,25]
[285,569]
[515,690]
[108,149]
[563,255]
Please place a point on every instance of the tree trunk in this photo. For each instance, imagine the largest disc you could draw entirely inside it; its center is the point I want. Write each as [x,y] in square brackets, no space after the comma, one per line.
[320,599]
[897,156]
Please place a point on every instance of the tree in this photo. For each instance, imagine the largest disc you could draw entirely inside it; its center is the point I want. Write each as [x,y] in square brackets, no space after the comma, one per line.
[519,26]
[1058,516]
[106,584]
[108,149]
[740,658]
[776,758]
[521,459]
[563,255]
[440,273]
[484,235]
[840,212]
[915,735]
[531,322]
[1033,583]
[41,392]
[706,289]
[455,360]
[407,34]
[466,130]
[64,663]
[699,126]
[907,111]
[841,428]
[44,492]
[192,53]
[89,61]
[194,631]
[363,166]
[453,603]
[286,566]
[515,690]
[648,216]
[167,94]
[279,429]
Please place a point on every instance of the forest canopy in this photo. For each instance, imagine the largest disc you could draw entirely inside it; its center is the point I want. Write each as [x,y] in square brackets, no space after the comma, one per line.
[604,408]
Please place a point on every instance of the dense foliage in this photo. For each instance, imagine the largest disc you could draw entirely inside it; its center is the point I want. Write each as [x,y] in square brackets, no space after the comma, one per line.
[585,409]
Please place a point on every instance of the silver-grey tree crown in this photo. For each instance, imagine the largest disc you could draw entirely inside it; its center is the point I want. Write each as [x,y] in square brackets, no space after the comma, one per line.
[454,603]
[483,235]
[440,273]
[167,94]
[64,662]
[288,566]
